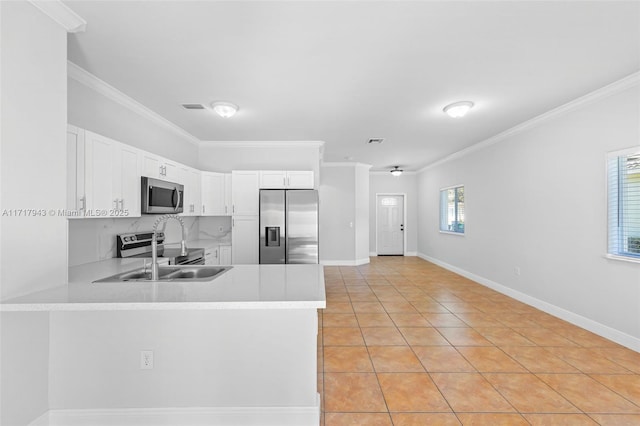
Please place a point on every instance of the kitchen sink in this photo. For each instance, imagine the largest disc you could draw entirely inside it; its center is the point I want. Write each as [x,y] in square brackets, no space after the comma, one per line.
[169,273]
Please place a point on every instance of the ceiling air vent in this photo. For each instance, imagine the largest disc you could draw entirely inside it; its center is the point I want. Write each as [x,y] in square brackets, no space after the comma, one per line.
[193,106]
[375,141]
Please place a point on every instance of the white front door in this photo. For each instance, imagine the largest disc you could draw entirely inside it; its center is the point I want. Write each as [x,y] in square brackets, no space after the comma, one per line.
[390,224]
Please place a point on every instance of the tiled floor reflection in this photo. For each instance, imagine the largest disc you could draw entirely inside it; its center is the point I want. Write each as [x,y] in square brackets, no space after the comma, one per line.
[404,342]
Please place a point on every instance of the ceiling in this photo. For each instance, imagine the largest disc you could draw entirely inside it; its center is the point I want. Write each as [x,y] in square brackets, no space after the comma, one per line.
[346,71]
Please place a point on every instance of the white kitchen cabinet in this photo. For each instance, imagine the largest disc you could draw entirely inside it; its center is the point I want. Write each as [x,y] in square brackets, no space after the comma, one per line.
[244,240]
[300,179]
[126,175]
[280,179]
[225,255]
[154,166]
[245,189]
[192,203]
[100,157]
[111,177]
[228,202]
[76,201]
[213,194]
[212,255]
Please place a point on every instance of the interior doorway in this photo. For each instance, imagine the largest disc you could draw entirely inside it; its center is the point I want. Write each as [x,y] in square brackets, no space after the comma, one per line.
[390,224]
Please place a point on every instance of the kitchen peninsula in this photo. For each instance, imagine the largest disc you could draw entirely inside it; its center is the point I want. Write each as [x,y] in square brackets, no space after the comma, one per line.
[240,349]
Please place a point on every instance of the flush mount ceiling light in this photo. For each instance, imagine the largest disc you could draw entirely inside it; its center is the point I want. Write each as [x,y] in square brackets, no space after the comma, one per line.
[224,109]
[458,109]
[396,171]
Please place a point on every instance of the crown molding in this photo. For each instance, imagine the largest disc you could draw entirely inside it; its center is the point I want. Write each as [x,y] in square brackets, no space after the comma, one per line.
[608,90]
[265,144]
[84,77]
[60,12]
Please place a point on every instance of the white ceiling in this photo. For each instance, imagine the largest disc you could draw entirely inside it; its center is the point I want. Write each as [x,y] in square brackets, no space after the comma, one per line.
[345,71]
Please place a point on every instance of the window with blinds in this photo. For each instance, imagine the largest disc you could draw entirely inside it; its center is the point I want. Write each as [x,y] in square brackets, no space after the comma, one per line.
[452,209]
[623,179]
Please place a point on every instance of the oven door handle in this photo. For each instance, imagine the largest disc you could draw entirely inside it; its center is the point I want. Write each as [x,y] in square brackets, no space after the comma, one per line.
[177,191]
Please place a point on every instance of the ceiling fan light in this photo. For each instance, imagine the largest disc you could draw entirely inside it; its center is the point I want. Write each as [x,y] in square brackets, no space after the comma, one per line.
[458,109]
[225,109]
[396,171]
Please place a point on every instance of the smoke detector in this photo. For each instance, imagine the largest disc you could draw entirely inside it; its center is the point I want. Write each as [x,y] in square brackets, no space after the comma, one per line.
[375,141]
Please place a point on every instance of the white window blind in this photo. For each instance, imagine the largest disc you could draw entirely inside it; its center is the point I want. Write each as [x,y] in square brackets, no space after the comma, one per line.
[623,179]
[452,209]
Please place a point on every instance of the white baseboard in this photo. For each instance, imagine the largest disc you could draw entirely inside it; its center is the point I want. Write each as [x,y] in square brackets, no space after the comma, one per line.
[607,332]
[407,253]
[195,416]
[356,262]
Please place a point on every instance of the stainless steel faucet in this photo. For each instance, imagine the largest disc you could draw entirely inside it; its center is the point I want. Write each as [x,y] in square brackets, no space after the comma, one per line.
[155,269]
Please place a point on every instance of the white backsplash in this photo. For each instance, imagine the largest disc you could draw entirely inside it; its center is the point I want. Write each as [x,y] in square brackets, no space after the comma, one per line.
[91,240]
[215,228]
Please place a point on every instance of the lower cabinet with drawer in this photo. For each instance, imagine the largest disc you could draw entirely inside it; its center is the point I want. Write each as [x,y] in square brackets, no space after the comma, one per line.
[217,255]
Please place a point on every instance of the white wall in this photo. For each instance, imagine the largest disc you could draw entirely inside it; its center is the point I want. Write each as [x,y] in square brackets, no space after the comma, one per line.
[33,176]
[94,111]
[337,214]
[407,184]
[344,214]
[362,213]
[537,201]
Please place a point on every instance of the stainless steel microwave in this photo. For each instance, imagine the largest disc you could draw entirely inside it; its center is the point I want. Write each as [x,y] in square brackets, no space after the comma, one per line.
[159,196]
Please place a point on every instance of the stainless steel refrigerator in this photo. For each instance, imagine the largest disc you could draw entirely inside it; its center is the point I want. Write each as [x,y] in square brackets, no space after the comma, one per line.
[288,226]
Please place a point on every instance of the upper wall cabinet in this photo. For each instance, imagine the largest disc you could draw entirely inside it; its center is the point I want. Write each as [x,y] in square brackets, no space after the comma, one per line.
[245,190]
[76,198]
[213,194]
[279,179]
[154,166]
[126,175]
[111,177]
[190,178]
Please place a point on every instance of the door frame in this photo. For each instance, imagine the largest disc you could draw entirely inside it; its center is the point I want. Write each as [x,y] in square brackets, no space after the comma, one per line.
[404,218]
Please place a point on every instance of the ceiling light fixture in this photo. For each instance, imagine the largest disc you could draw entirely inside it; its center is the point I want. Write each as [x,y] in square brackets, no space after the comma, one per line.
[224,109]
[396,171]
[458,109]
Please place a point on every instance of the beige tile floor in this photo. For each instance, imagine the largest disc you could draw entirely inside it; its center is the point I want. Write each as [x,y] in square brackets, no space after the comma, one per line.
[405,342]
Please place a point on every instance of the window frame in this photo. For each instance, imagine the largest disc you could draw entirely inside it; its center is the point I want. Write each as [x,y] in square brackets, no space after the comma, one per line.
[615,236]
[443,220]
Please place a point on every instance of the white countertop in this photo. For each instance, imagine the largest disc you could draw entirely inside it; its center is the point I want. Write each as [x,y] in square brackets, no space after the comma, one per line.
[242,287]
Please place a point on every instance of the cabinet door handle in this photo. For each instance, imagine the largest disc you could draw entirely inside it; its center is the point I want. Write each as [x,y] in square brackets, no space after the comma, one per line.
[233,223]
[225,209]
[233,208]
[203,208]
[216,256]
[284,181]
[289,181]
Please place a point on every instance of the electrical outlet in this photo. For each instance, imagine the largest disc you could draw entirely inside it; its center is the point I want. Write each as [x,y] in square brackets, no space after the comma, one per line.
[146,360]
